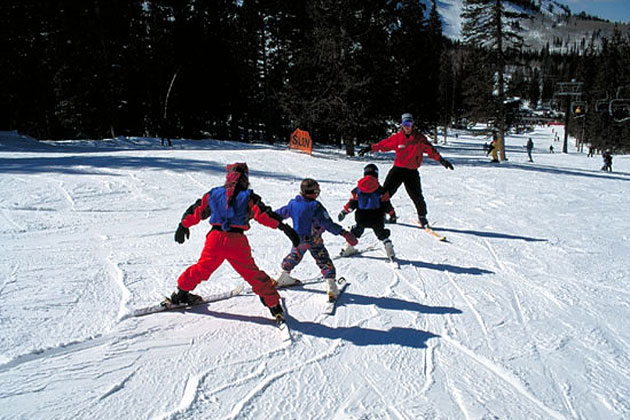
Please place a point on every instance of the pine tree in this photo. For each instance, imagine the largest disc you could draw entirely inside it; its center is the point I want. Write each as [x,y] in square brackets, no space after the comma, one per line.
[489,24]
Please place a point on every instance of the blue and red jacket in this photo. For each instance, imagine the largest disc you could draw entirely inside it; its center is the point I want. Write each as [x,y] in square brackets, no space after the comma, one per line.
[234,217]
[370,200]
[310,218]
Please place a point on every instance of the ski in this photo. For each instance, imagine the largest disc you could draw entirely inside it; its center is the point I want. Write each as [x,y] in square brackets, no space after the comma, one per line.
[331,304]
[355,251]
[431,232]
[167,306]
[435,234]
[319,279]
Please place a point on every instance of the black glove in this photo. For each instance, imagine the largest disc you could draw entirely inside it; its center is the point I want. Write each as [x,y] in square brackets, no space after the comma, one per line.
[181,234]
[364,150]
[342,215]
[446,163]
[291,234]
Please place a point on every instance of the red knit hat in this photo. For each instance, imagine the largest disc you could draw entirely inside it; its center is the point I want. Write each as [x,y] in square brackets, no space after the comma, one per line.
[237,176]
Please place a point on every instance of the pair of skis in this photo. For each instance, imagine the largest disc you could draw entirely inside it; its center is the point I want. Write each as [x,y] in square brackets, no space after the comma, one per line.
[283,328]
[345,253]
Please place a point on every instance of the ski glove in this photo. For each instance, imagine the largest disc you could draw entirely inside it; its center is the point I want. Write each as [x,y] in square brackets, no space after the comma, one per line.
[182,234]
[349,237]
[342,215]
[364,150]
[446,163]
[291,234]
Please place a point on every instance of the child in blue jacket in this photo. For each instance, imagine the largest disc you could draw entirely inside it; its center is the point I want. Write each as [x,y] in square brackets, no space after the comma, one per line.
[310,221]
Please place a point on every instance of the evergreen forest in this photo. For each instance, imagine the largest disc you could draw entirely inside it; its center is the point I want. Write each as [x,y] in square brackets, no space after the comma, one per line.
[255,70]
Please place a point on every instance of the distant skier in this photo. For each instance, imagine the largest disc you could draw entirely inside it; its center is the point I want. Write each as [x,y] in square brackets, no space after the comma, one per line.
[529,146]
[493,149]
[310,221]
[230,208]
[371,202]
[607,157]
[551,148]
[409,145]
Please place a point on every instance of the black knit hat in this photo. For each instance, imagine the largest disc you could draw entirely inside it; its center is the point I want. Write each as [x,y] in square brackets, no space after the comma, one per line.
[371,169]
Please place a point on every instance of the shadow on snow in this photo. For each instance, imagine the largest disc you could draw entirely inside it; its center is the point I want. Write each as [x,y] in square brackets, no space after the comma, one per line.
[359,336]
[494,235]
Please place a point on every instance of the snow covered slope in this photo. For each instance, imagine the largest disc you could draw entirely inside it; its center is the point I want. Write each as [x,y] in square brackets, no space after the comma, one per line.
[522,314]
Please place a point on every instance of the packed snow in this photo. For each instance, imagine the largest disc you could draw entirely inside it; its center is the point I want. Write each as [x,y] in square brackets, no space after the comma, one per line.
[519,315]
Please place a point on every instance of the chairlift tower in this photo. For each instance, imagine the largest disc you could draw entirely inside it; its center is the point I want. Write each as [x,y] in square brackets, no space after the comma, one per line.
[570,91]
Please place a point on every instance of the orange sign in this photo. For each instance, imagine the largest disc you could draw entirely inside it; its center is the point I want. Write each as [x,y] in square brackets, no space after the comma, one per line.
[301,140]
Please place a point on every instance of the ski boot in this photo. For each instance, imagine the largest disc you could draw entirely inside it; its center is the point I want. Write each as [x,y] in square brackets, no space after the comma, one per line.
[333,290]
[348,250]
[278,314]
[389,249]
[423,222]
[285,280]
[183,297]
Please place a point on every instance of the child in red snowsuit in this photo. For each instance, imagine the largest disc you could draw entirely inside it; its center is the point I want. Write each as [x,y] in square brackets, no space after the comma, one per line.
[230,208]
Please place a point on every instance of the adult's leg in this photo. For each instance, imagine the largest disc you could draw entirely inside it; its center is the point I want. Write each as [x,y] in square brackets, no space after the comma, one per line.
[414,189]
[393,180]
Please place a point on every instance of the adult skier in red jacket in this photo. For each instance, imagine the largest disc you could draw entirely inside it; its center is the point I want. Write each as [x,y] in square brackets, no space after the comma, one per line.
[410,146]
[230,208]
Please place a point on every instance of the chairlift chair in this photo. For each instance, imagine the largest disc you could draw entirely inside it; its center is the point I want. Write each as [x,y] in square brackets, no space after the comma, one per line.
[619,109]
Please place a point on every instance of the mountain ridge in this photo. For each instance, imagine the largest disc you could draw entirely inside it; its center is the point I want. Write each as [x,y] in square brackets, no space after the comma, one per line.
[553,25]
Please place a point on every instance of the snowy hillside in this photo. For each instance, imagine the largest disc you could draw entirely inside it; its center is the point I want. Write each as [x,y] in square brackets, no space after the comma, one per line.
[522,314]
[550,27]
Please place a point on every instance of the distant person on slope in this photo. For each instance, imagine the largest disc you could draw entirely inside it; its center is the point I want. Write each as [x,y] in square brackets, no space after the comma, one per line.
[409,145]
[492,149]
[607,157]
[371,202]
[310,221]
[529,146]
[230,208]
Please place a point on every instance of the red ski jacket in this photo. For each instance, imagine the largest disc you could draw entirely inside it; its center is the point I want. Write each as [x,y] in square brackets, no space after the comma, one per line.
[409,150]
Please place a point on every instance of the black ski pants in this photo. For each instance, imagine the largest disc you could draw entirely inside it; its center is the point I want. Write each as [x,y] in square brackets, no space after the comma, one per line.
[411,178]
[378,228]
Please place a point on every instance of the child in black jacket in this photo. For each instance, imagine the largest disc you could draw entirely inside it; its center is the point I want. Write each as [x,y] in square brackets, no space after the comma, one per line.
[371,202]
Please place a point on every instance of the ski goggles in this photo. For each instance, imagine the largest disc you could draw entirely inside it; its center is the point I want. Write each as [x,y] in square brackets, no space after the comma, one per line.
[407,123]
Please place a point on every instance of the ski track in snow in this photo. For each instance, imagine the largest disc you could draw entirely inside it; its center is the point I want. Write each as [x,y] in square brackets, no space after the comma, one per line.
[505,376]
[520,315]
[266,381]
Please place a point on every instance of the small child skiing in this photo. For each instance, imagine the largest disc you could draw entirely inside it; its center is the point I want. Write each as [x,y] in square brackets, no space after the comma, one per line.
[310,220]
[371,202]
[230,208]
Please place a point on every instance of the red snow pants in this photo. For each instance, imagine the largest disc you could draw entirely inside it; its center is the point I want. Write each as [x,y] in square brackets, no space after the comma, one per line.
[234,247]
